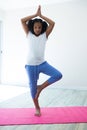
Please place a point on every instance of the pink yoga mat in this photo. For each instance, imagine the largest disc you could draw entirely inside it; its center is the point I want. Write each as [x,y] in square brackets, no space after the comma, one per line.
[53,115]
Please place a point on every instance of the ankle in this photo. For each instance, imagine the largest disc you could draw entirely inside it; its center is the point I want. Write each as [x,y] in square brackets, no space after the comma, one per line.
[37,108]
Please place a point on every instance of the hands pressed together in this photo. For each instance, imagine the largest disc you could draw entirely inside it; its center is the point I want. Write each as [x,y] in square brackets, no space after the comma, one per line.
[38,13]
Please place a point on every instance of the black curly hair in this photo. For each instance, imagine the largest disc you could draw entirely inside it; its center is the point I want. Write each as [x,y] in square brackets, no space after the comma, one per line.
[31,23]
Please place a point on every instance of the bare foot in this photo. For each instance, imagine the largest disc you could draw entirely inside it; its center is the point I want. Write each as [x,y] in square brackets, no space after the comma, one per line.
[38,113]
[38,91]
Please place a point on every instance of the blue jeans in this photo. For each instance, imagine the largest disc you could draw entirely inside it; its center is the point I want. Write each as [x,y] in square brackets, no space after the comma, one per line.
[33,75]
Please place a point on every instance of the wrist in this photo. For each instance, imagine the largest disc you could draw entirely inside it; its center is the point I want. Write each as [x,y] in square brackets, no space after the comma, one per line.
[35,15]
[41,16]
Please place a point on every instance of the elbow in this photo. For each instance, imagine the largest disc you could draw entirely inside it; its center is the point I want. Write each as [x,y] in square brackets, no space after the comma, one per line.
[22,21]
[53,23]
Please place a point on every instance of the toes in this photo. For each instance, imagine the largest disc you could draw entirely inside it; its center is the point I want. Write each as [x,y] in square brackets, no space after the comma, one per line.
[38,112]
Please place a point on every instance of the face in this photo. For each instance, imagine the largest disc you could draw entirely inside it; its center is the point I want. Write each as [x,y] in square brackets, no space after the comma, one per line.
[37,28]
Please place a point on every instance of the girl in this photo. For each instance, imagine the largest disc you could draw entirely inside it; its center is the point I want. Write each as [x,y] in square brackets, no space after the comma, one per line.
[37,31]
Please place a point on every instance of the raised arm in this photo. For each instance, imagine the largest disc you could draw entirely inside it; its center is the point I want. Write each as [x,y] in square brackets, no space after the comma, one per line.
[25,19]
[48,20]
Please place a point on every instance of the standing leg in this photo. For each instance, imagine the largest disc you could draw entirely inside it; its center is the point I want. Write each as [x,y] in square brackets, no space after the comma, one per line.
[32,75]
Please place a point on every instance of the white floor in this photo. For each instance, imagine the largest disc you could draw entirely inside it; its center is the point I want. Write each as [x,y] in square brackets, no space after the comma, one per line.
[8,92]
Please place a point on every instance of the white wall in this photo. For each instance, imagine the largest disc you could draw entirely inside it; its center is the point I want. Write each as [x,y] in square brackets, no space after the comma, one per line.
[66,47]
[2,15]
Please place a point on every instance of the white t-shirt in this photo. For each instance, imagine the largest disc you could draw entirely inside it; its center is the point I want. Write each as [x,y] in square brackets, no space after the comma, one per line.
[36,48]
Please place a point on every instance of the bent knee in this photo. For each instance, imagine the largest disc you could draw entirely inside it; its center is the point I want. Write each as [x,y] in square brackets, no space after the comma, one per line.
[59,76]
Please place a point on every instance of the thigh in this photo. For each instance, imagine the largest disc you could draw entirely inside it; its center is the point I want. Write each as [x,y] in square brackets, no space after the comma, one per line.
[32,73]
[49,70]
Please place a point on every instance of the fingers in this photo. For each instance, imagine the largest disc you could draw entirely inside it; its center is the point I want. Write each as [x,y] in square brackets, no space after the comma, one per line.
[39,7]
[38,13]
[39,10]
